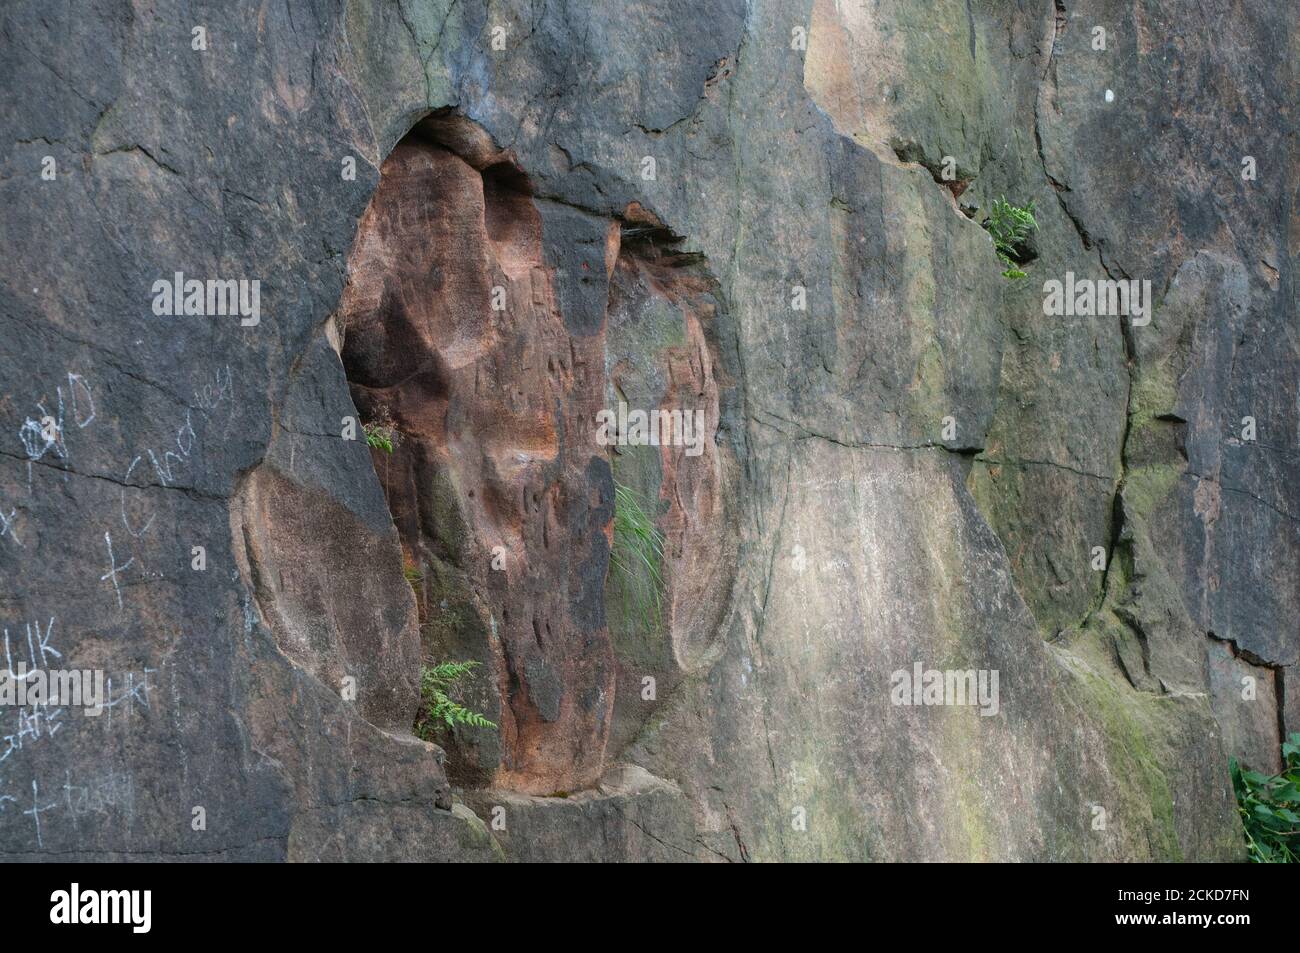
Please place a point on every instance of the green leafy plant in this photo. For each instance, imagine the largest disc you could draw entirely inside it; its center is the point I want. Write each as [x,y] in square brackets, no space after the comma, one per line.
[438,709]
[1270,808]
[380,437]
[638,549]
[1009,225]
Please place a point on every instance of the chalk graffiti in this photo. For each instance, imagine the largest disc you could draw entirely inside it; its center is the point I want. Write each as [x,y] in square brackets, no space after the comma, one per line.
[35,811]
[171,458]
[46,432]
[134,511]
[7,525]
[114,569]
[135,692]
[99,795]
[126,522]
[31,724]
[210,395]
[38,652]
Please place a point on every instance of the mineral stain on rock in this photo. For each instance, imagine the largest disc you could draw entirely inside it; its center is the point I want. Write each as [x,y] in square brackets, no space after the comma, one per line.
[475,321]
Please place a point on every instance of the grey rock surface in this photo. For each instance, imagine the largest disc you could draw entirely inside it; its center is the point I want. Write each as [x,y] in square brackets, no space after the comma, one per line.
[915,469]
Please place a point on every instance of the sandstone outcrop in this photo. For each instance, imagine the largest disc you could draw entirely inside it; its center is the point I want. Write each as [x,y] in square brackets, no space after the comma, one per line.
[481,225]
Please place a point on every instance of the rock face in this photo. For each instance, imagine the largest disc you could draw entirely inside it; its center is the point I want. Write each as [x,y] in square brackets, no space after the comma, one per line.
[491,408]
[482,227]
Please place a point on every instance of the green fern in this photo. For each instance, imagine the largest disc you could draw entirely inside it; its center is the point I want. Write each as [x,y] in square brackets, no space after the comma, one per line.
[1009,225]
[438,709]
[379,437]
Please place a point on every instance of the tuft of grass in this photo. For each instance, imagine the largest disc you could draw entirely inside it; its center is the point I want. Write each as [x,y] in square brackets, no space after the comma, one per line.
[413,578]
[1009,225]
[438,709]
[380,437]
[638,551]
[1270,808]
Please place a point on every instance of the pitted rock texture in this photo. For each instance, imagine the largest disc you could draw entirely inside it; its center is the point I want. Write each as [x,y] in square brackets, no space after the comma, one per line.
[490,364]
[493,409]
[657,187]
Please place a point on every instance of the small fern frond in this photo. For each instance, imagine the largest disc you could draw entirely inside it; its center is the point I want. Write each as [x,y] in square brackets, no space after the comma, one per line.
[438,708]
[1009,225]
